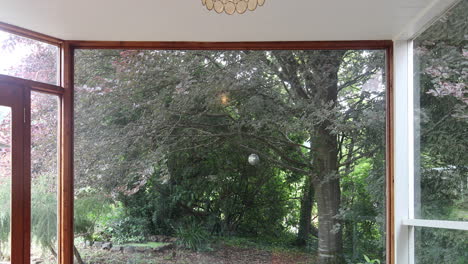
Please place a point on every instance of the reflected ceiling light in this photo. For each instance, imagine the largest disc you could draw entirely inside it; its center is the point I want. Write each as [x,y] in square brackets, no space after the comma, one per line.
[232,6]
[254,159]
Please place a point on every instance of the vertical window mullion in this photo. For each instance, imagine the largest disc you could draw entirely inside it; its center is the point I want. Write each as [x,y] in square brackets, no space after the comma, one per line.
[402,158]
[411,154]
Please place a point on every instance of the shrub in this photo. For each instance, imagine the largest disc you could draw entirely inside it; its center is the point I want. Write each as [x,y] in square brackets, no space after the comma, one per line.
[370,261]
[129,229]
[90,208]
[193,236]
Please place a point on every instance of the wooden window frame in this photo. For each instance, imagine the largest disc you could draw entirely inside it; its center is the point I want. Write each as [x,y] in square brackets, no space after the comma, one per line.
[15,97]
[65,90]
[65,137]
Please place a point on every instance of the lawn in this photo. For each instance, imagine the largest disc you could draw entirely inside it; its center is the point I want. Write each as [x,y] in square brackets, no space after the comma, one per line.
[148,244]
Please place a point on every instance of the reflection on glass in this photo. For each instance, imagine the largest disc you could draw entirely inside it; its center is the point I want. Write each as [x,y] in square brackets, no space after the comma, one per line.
[441,118]
[5,182]
[440,246]
[28,59]
[44,116]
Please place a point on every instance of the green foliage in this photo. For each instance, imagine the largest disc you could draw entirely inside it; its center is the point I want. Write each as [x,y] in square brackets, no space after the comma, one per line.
[43,214]
[92,211]
[441,136]
[230,196]
[370,261]
[441,246]
[133,218]
[5,207]
[362,225]
[441,77]
[443,194]
[193,236]
[44,211]
[98,218]
[128,229]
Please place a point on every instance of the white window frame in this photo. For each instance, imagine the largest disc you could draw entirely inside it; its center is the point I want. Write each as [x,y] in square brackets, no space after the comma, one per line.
[405,221]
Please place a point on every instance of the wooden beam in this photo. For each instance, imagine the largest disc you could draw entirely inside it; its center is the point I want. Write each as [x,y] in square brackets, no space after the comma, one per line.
[13,96]
[27,174]
[66,192]
[35,86]
[273,45]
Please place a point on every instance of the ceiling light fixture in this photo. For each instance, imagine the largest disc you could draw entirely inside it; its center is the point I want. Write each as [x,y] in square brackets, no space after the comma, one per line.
[232,6]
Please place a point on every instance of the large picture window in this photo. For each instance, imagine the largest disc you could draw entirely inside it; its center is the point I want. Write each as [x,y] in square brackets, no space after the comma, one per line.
[279,150]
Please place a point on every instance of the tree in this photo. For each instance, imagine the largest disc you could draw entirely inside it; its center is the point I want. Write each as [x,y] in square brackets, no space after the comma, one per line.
[314,78]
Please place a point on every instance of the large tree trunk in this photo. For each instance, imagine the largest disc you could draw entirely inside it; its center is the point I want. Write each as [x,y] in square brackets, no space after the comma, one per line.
[319,85]
[330,246]
[325,162]
[328,195]
[305,218]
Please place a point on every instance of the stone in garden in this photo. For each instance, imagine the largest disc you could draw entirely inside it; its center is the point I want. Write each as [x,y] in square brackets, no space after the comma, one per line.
[163,247]
[98,244]
[141,249]
[152,238]
[88,243]
[159,238]
[128,250]
[107,246]
[117,249]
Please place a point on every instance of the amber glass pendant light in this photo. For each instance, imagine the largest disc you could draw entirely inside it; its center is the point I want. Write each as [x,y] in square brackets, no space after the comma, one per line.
[232,6]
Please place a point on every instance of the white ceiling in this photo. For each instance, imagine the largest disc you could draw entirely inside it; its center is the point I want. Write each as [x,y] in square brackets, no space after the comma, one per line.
[188,20]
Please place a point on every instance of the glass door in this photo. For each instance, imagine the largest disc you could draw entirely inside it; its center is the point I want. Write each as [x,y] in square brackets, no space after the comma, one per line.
[14,167]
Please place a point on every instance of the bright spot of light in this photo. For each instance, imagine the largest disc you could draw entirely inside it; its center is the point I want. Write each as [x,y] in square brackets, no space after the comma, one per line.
[10,57]
[224,99]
